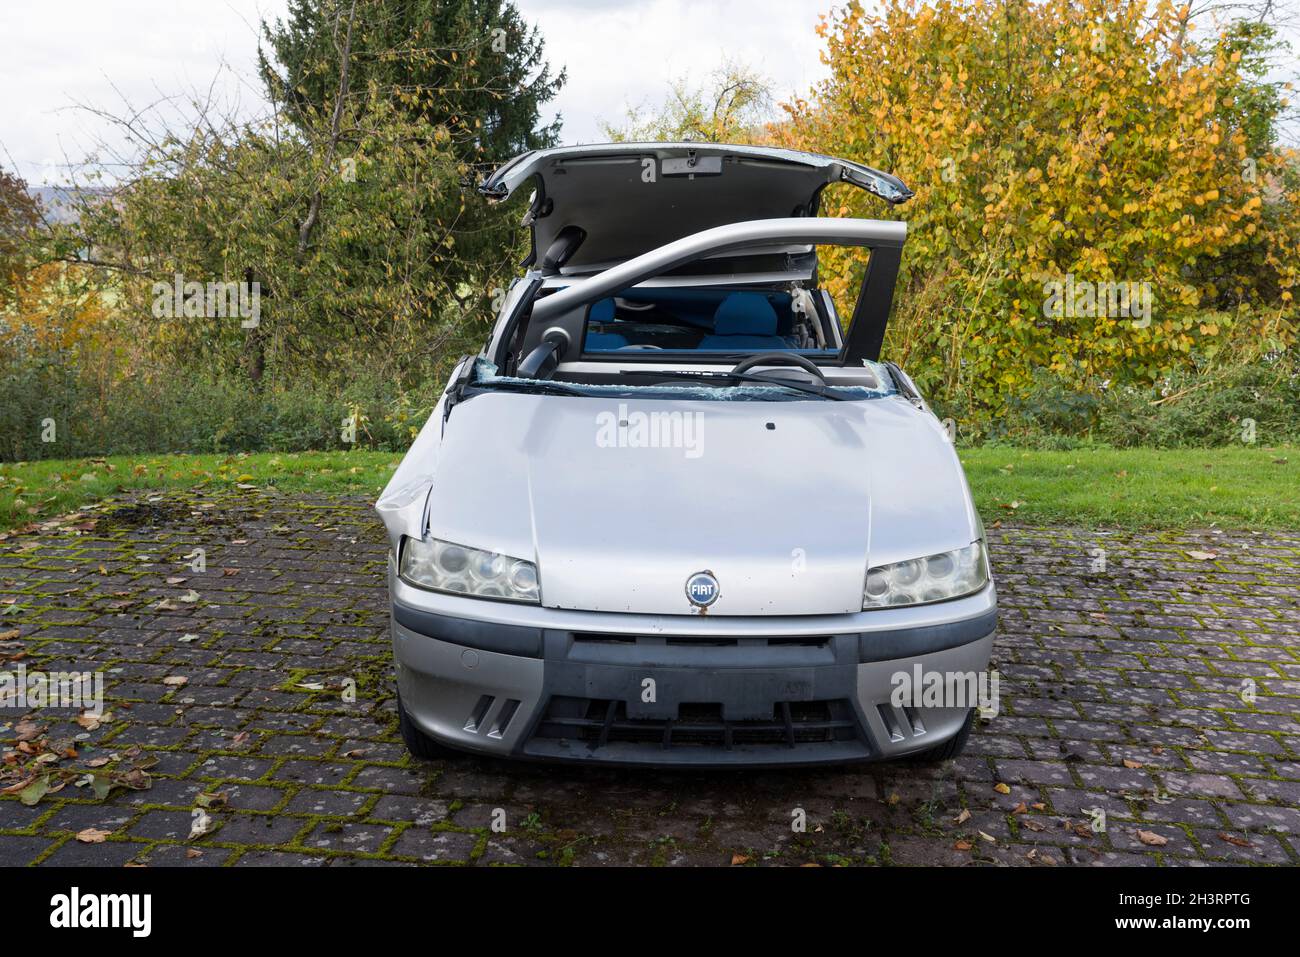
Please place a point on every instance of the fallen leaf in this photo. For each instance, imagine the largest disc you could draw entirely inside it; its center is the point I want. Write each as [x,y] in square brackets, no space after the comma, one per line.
[201,825]
[177,580]
[176,681]
[1202,556]
[11,633]
[738,859]
[963,817]
[215,799]
[1128,763]
[33,792]
[1234,840]
[17,786]
[961,846]
[193,852]
[92,835]
[1020,809]
[988,837]
[1152,839]
[1002,788]
[190,597]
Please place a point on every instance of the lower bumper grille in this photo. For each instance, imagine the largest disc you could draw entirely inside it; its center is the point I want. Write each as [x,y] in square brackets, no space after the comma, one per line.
[598,722]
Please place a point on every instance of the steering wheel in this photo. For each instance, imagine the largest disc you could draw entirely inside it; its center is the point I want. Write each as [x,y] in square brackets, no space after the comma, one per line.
[780,358]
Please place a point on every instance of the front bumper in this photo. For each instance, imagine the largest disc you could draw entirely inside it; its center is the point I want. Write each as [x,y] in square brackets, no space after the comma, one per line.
[536,683]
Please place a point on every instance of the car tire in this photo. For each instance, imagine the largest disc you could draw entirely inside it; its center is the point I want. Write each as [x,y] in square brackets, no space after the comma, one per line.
[417,742]
[951,748]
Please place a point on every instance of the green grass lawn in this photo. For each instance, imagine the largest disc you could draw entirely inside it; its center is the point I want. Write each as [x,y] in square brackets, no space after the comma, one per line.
[31,491]
[1248,487]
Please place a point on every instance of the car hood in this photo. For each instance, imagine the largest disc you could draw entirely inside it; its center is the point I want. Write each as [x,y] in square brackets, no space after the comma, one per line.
[633,197]
[785,503]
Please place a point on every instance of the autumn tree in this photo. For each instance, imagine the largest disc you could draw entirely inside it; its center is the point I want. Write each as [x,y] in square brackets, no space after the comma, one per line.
[1089,141]
[350,203]
[18,217]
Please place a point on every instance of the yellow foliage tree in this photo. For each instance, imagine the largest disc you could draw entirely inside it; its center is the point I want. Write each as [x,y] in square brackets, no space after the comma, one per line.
[1061,151]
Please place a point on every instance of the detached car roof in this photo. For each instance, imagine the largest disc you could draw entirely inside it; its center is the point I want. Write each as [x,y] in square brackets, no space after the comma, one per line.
[630,198]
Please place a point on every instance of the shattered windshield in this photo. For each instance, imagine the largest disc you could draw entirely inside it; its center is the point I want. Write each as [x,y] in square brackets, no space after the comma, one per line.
[485,376]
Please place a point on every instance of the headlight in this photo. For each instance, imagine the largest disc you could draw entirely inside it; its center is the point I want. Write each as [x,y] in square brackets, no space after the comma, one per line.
[446,566]
[934,578]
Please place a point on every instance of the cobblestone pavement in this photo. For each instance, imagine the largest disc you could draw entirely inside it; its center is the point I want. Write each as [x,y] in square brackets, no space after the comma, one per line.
[1124,687]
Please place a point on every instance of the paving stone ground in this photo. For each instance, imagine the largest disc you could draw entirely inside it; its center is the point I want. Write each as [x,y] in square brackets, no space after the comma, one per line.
[1136,678]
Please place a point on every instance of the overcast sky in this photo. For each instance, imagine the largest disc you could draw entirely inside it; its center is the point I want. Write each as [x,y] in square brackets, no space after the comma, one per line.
[618,53]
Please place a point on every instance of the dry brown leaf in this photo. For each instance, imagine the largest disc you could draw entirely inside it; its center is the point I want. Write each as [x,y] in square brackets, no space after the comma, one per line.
[961,846]
[963,817]
[92,835]
[1129,763]
[1202,556]
[738,859]
[1152,839]
[1234,840]
[1002,788]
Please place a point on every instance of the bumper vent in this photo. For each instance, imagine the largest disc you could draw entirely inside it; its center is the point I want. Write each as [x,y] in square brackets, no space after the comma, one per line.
[901,723]
[494,721]
[598,722]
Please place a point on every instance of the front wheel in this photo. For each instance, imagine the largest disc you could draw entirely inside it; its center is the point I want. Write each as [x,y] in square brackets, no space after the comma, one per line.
[417,742]
[951,748]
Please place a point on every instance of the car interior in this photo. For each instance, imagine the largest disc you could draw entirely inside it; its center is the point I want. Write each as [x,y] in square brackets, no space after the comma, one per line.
[705,319]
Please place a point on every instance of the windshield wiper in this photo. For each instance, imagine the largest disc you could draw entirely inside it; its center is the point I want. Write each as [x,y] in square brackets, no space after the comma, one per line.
[822,392]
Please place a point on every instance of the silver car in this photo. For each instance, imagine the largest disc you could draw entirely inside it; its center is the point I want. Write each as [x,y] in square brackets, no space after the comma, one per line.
[677,511]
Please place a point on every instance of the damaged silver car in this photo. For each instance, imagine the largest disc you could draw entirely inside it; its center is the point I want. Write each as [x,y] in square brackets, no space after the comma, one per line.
[678,511]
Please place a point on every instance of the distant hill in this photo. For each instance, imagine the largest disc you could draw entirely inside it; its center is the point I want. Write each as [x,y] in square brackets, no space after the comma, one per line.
[60,202]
